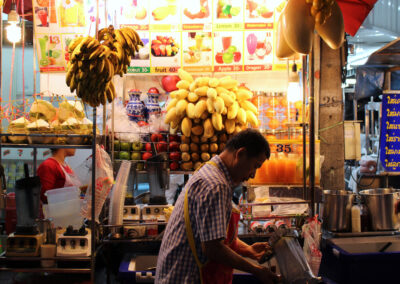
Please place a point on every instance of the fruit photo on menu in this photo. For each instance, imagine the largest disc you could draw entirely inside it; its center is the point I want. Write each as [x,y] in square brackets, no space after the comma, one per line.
[164,9]
[196,9]
[227,9]
[42,16]
[228,48]
[258,45]
[164,46]
[197,48]
[135,11]
[260,9]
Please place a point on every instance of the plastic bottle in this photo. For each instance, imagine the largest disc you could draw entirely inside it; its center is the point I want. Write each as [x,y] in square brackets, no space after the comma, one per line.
[356,218]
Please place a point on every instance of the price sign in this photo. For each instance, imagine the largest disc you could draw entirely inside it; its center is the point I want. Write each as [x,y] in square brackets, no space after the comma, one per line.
[390,133]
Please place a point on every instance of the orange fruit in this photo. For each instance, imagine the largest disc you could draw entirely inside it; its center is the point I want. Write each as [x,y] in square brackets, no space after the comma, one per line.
[270,112]
[271,101]
[283,102]
[284,122]
[273,123]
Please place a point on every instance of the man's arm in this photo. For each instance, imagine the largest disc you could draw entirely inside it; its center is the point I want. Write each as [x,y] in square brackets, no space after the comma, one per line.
[217,251]
[255,251]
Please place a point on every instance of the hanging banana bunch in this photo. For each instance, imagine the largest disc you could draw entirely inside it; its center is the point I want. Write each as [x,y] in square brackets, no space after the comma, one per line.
[93,63]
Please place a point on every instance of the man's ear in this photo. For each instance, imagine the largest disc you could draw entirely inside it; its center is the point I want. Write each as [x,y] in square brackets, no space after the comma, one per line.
[241,153]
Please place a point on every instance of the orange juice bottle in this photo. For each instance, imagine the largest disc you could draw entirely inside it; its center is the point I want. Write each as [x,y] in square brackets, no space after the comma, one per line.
[264,172]
[290,169]
[281,165]
[272,169]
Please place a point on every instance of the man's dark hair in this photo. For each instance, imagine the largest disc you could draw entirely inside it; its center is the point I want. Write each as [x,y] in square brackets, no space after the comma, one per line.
[252,140]
[53,150]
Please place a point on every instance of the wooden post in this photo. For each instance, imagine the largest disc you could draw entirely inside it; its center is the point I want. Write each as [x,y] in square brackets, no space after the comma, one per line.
[330,102]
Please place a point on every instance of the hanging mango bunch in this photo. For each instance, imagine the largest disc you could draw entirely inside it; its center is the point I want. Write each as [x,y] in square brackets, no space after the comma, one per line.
[299,19]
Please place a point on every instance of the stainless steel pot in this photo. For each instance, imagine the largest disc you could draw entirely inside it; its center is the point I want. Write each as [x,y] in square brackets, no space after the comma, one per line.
[381,203]
[336,211]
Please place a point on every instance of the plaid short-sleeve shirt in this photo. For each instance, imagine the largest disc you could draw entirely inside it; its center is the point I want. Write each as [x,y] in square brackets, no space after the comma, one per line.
[210,206]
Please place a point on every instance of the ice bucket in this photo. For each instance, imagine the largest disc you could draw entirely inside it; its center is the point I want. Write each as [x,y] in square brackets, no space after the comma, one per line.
[336,213]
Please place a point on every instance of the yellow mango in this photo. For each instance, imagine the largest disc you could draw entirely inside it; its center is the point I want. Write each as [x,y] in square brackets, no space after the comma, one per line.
[200,107]
[208,128]
[184,75]
[181,94]
[227,82]
[251,118]
[211,93]
[192,86]
[171,115]
[241,116]
[216,120]
[186,126]
[190,110]
[210,105]
[192,97]
[243,94]
[213,83]
[228,101]
[181,107]
[247,105]
[230,126]
[201,91]
[219,105]
[183,84]
[171,104]
[233,110]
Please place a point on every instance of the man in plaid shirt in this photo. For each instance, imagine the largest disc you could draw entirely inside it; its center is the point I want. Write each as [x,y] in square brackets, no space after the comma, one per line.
[209,203]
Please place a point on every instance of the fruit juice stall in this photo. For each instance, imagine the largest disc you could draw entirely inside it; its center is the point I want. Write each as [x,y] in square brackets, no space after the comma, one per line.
[190,75]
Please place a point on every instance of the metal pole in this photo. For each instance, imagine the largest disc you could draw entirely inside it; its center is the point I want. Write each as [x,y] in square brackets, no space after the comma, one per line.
[312,133]
[93,213]
[304,128]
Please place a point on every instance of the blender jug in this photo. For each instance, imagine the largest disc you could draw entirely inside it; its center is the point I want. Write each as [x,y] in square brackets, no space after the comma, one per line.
[27,195]
[158,175]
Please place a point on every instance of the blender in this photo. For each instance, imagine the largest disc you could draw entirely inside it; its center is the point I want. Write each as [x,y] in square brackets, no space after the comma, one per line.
[158,175]
[26,239]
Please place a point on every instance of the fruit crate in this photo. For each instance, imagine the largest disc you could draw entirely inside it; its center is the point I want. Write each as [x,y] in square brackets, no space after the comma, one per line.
[145,146]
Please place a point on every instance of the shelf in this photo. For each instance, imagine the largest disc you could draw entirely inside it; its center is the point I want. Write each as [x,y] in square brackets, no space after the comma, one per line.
[245,218]
[274,203]
[49,270]
[12,145]
[37,258]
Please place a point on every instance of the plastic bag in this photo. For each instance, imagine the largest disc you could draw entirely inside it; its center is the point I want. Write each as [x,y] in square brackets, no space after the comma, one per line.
[292,262]
[104,182]
[84,173]
[311,233]
[289,209]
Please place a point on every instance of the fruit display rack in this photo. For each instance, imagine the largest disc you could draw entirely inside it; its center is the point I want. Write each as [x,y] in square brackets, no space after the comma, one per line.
[19,264]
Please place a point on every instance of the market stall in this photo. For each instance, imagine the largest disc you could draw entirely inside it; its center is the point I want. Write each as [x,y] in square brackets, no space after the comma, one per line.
[172,82]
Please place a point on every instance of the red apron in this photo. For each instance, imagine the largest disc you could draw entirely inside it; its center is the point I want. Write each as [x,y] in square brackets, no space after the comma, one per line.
[213,272]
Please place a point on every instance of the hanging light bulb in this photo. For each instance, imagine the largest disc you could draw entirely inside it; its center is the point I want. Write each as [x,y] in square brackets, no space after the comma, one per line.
[294,92]
[13,31]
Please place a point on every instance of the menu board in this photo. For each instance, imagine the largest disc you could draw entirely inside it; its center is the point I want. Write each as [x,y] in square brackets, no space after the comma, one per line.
[390,133]
[199,35]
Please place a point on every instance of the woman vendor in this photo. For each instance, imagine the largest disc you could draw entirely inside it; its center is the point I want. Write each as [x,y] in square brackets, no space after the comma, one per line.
[55,173]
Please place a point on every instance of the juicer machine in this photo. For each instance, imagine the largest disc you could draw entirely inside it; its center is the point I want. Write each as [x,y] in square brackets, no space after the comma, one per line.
[26,240]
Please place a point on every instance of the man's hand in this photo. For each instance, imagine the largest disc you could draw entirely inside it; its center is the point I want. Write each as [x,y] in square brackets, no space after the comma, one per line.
[257,250]
[266,276]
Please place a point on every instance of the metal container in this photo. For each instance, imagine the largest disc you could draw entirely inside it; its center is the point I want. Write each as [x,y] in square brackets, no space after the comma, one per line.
[381,203]
[336,214]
